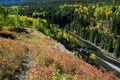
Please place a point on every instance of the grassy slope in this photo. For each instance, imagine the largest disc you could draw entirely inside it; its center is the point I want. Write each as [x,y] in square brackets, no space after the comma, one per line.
[48,61]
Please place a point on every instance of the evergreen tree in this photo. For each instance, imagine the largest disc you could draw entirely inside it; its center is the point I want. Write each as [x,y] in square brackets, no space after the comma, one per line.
[110,45]
[95,40]
[117,48]
[102,41]
[91,35]
[106,42]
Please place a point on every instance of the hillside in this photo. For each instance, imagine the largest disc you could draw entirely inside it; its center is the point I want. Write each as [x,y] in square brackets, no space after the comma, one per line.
[32,55]
[32,36]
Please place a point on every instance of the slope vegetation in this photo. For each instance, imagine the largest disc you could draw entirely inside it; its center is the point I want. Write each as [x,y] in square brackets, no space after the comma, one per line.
[46,59]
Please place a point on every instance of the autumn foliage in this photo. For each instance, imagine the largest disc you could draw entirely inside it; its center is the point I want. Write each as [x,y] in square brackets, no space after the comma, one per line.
[47,60]
[11,53]
[67,66]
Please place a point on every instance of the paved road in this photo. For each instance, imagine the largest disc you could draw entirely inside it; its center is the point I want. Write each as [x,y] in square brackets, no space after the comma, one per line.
[108,66]
[107,62]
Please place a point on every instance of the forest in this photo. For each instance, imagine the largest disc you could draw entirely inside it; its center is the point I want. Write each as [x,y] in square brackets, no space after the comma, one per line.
[28,30]
[95,21]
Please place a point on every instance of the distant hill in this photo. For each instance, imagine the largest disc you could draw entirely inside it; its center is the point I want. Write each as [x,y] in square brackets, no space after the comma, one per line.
[44,1]
[14,1]
[22,1]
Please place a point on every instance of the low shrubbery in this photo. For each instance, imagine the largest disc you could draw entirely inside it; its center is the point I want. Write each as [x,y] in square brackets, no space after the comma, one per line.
[52,64]
[11,53]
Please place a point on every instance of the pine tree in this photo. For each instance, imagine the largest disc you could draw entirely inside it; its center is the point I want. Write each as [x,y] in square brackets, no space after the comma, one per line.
[105,42]
[92,35]
[110,45]
[117,48]
[96,40]
[102,41]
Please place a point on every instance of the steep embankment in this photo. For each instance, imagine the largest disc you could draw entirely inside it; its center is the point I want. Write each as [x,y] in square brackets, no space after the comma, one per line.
[31,55]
